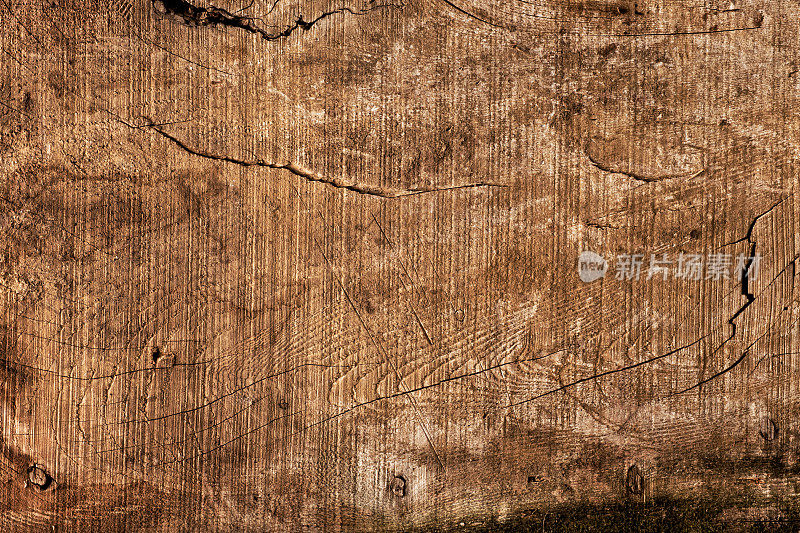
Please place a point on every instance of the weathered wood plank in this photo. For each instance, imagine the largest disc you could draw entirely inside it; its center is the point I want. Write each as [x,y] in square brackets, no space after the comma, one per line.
[312,265]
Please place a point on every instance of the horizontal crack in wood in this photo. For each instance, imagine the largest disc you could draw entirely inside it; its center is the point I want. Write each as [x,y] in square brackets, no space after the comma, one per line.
[640,177]
[215,16]
[309,175]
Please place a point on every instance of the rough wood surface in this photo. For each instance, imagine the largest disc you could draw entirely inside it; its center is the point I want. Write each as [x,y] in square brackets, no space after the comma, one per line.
[295,265]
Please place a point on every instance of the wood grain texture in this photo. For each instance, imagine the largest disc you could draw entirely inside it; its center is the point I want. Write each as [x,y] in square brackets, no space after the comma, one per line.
[295,265]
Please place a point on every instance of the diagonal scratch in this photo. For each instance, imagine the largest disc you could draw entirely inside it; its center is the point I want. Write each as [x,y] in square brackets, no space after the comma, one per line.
[746,292]
[385,355]
[608,373]
[471,15]
[405,270]
[732,321]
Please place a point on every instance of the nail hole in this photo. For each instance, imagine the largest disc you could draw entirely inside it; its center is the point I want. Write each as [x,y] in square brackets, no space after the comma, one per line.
[156,354]
[283,404]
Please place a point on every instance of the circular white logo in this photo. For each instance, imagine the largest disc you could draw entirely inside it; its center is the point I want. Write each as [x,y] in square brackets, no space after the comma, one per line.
[591,266]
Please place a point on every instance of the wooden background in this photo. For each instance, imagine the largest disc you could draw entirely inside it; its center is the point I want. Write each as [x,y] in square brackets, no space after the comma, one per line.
[313,265]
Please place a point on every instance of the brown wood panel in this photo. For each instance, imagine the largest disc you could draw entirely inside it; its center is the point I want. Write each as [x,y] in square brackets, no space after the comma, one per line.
[295,265]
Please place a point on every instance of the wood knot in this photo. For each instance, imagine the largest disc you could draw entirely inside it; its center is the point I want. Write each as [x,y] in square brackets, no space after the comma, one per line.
[39,478]
[398,486]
